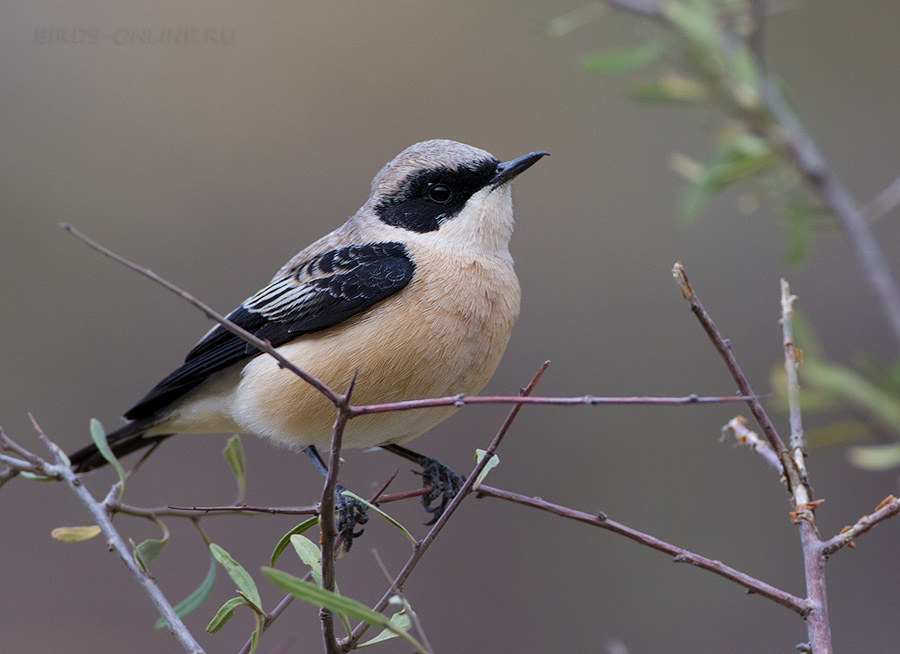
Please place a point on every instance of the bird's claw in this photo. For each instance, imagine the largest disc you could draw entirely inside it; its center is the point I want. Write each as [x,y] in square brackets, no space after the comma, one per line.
[350,513]
[445,484]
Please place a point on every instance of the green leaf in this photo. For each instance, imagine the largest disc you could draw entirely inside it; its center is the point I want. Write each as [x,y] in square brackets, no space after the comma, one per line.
[75,534]
[195,599]
[623,60]
[286,539]
[149,550]
[805,338]
[403,530]
[98,435]
[146,552]
[854,389]
[239,576]
[310,554]
[838,433]
[799,233]
[490,465]
[234,455]
[402,620]
[224,614]
[313,594]
[875,457]
[34,477]
[670,88]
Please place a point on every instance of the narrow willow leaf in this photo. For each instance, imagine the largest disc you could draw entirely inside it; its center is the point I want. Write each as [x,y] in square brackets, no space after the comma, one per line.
[224,614]
[799,233]
[403,530]
[286,539]
[312,594]
[670,88]
[254,637]
[149,550]
[75,534]
[310,554]
[490,465]
[838,433]
[623,60]
[402,620]
[195,599]
[239,576]
[571,20]
[875,457]
[234,455]
[855,389]
[34,477]
[98,435]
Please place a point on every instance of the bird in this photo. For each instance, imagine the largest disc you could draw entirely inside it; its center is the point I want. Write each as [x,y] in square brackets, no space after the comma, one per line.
[414,296]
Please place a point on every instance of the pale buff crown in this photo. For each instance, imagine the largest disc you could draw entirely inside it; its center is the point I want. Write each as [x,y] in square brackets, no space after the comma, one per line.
[437,153]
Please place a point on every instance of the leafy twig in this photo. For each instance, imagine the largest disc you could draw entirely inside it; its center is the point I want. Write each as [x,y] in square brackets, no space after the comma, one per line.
[115,542]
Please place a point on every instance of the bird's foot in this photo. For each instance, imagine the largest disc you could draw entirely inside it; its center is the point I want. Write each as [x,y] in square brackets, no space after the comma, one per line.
[445,484]
[350,513]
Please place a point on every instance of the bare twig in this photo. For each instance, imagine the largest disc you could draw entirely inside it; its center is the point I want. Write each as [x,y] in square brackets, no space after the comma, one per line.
[326,517]
[882,203]
[115,542]
[756,38]
[581,400]
[681,555]
[889,508]
[817,624]
[792,358]
[724,348]
[738,427]
[645,8]
[212,314]
[423,545]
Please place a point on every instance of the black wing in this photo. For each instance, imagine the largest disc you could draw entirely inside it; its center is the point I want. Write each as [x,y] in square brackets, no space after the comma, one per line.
[313,295]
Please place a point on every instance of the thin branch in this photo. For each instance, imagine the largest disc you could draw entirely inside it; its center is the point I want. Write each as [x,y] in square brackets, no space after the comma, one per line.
[792,359]
[808,160]
[423,545]
[882,203]
[889,508]
[738,428]
[194,512]
[645,8]
[724,348]
[115,542]
[212,314]
[327,528]
[817,624]
[581,400]
[756,38]
[681,555]
[273,615]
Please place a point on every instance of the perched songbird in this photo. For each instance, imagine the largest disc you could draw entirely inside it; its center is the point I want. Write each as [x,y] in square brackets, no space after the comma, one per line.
[415,294]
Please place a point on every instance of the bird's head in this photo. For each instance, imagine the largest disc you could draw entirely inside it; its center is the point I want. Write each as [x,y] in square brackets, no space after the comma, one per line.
[450,191]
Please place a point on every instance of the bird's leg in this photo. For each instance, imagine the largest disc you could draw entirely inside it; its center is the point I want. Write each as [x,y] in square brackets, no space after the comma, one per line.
[350,512]
[444,482]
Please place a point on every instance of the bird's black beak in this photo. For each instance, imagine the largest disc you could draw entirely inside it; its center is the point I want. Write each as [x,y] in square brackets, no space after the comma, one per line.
[506,170]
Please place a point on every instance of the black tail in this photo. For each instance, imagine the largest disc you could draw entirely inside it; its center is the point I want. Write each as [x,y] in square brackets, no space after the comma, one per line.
[125,440]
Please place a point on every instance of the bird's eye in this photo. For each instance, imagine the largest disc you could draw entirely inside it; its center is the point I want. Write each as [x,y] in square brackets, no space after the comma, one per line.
[439,193]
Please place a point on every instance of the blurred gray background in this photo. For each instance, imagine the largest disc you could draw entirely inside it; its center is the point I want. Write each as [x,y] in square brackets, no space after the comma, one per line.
[214,162]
